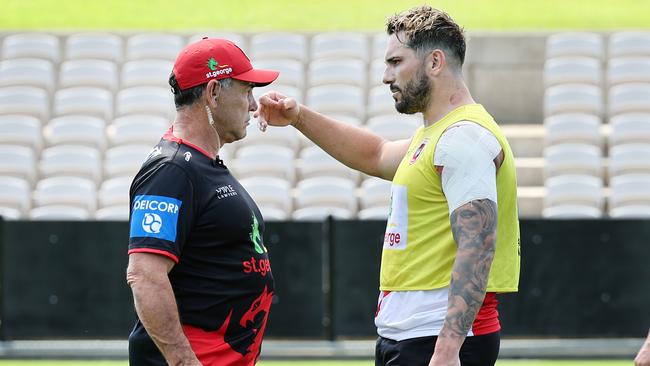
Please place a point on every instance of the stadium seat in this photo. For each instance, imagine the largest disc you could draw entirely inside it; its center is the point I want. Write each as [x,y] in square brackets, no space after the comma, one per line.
[379,44]
[27,72]
[326,192]
[286,90]
[25,100]
[125,160]
[573,159]
[292,72]
[629,97]
[530,171]
[137,129]
[630,212]
[338,71]
[21,130]
[85,72]
[146,73]
[280,136]
[337,98]
[581,70]
[59,213]
[18,161]
[269,192]
[339,45]
[84,100]
[10,214]
[573,128]
[574,189]
[629,128]
[15,193]
[154,45]
[375,192]
[282,45]
[146,100]
[273,214]
[622,70]
[567,98]
[102,46]
[76,129]
[71,160]
[236,38]
[526,140]
[629,43]
[629,158]
[69,191]
[320,213]
[629,189]
[264,160]
[380,101]
[394,126]
[36,45]
[115,192]
[571,212]
[315,162]
[374,213]
[376,73]
[113,213]
[575,44]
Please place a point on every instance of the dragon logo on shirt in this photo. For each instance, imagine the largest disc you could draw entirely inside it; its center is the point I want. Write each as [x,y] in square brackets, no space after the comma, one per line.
[240,350]
[256,237]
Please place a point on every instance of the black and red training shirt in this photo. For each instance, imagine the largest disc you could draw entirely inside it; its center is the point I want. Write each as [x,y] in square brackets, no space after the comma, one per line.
[188,207]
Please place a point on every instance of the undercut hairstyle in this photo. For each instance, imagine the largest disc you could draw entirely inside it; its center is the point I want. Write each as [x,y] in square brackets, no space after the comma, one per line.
[191,95]
[425,29]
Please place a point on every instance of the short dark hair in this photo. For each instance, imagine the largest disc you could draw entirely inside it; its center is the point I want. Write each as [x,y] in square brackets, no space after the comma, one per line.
[191,95]
[187,96]
[426,29]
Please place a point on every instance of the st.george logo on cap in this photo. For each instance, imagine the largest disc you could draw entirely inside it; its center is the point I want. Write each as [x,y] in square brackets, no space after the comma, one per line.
[216,58]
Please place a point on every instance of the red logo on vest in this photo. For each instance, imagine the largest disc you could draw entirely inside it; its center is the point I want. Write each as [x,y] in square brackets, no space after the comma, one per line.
[418,151]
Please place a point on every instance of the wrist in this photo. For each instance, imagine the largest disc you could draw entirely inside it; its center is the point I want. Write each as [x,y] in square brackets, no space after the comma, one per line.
[299,118]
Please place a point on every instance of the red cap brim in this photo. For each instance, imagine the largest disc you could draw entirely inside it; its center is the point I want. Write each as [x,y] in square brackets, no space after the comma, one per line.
[259,77]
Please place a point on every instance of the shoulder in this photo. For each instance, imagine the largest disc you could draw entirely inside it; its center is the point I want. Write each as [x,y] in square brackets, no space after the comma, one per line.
[466,137]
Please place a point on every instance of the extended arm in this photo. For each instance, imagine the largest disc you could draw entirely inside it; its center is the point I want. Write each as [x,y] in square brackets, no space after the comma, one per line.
[355,147]
[156,306]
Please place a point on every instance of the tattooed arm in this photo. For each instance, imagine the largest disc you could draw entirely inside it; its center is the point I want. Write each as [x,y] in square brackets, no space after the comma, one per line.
[474,228]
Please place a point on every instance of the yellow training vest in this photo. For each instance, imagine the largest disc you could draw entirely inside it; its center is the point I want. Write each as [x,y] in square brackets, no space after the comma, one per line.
[419,249]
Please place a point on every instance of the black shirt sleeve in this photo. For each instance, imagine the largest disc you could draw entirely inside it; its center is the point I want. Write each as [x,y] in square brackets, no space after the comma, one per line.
[162,211]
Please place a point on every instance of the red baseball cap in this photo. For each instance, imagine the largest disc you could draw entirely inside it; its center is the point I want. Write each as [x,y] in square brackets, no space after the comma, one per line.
[215,58]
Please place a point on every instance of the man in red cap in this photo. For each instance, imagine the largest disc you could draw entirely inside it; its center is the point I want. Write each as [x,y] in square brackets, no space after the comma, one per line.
[198,268]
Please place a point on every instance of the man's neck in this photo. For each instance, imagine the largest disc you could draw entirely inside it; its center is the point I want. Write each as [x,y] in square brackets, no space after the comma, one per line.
[191,125]
[446,99]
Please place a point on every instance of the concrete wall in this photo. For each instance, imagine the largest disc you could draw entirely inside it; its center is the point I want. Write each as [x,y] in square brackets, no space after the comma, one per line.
[505,73]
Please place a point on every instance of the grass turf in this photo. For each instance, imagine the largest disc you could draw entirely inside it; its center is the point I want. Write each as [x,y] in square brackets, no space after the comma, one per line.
[317,363]
[300,15]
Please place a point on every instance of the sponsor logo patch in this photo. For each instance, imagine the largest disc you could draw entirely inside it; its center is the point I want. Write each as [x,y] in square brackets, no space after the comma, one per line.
[155,217]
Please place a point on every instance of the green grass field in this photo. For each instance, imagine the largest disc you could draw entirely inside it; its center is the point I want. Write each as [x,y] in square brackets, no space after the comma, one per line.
[321,363]
[302,15]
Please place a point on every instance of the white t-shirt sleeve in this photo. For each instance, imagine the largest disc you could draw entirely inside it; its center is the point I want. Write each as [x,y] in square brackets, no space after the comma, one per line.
[466,151]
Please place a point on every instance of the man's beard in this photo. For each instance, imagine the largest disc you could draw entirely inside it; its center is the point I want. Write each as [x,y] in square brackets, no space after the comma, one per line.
[415,94]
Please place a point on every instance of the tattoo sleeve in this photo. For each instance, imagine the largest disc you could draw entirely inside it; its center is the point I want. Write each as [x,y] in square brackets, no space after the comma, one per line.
[474,228]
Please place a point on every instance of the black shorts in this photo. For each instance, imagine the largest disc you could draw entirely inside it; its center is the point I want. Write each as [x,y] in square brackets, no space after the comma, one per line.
[480,350]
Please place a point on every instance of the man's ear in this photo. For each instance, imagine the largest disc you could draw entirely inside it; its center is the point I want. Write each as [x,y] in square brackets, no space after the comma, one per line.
[212,91]
[438,61]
